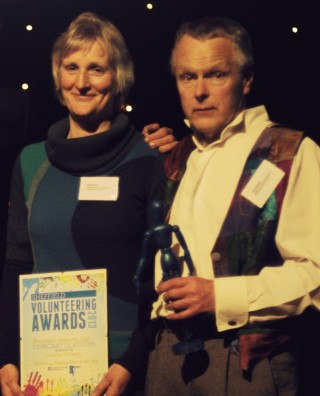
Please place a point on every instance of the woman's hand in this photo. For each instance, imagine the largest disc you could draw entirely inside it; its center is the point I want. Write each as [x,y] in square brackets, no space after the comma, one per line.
[9,377]
[113,383]
[161,137]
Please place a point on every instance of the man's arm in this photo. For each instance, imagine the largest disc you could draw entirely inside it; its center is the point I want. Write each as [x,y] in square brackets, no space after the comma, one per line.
[161,137]
[279,292]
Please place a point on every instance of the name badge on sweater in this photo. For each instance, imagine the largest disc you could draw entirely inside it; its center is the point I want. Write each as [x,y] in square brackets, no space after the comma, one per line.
[262,183]
[99,188]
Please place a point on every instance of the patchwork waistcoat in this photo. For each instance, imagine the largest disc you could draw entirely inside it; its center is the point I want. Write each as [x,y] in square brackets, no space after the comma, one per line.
[246,242]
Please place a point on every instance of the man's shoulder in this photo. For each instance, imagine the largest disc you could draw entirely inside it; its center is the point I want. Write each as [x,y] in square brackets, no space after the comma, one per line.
[285,131]
[182,149]
[285,141]
[175,162]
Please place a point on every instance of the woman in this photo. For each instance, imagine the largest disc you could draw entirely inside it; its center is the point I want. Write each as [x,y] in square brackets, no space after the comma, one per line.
[49,228]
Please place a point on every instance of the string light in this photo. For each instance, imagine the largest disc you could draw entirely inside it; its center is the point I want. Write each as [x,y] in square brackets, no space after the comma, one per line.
[128,108]
[25,86]
[29,28]
[295,29]
[149,6]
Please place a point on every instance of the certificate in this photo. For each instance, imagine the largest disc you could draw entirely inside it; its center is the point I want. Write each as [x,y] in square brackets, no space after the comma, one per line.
[63,332]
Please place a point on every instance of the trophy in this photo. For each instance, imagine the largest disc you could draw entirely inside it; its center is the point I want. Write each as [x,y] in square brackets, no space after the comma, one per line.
[161,234]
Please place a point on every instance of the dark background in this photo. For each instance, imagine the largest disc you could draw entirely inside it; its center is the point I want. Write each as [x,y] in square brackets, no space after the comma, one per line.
[287,80]
[287,73]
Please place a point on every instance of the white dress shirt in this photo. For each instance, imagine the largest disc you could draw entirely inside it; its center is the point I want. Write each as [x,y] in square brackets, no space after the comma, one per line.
[201,205]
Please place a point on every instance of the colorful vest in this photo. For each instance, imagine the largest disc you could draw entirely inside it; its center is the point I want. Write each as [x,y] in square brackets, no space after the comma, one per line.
[246,242]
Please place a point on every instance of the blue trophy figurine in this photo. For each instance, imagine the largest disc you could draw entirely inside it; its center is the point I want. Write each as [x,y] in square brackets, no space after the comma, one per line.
[161,234]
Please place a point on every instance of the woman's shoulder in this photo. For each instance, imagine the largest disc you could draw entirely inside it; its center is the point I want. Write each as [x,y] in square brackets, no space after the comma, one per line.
[33,153]
[140,149]
[32,157]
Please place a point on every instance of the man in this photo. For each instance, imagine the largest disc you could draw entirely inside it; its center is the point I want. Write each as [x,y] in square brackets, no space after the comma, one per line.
[248,204]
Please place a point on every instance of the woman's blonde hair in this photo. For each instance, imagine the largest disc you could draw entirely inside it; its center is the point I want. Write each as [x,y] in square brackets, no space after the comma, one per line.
[85,29]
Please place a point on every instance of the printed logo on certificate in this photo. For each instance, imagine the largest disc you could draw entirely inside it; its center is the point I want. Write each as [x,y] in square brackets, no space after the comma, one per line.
[63,332]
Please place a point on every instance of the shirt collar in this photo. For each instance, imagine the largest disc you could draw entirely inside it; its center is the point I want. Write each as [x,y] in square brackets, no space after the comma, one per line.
[245,121]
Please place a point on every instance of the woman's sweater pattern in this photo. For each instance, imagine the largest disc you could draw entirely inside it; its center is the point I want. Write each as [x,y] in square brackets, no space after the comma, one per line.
[51,230]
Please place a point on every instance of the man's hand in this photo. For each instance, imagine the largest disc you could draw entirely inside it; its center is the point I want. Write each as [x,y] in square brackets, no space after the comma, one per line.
[9,375]
[114,381]
[161,137]
[188,296]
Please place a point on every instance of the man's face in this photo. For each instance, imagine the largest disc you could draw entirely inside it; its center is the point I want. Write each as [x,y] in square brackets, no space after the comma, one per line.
[210,84]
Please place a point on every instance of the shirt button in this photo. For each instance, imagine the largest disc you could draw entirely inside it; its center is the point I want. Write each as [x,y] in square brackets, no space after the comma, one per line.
[216,257]
[232,323]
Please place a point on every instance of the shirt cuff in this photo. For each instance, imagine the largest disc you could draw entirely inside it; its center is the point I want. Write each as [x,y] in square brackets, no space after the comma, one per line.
[231,302]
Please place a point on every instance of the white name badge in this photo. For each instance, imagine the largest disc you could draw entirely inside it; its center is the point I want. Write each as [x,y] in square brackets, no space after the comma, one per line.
[100,188]
[262,183]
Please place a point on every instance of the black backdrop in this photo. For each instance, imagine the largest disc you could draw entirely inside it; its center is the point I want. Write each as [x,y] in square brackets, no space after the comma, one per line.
[287,76]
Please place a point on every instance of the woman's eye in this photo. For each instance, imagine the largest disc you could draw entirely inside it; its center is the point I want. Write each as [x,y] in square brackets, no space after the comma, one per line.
[70,67]
[98,71]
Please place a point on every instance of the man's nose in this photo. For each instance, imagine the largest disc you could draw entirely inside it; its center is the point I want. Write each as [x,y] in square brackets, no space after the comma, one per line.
[201,89]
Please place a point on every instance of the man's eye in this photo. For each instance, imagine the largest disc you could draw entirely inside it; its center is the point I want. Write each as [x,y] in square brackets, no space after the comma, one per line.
[219,74]
[186,77]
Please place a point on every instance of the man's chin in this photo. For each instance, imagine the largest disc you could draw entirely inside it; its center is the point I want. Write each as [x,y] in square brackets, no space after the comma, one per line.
[206,133]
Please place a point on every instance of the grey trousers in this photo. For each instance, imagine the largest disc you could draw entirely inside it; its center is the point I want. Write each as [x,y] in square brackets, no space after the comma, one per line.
[215,371]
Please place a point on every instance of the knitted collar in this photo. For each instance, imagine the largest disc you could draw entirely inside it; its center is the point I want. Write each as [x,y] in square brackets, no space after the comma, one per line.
[90,155]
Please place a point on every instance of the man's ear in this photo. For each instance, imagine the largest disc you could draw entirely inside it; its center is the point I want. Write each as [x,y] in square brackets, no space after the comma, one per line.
[247,81]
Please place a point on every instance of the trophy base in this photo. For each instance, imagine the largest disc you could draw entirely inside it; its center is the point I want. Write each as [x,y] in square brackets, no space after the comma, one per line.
[185,347]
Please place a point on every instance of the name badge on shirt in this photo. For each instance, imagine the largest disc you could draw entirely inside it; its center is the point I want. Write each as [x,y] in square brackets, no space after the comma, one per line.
[100,188]
[263,183]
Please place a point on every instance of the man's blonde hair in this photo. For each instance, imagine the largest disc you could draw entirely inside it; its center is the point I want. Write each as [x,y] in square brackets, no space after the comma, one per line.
[212,27]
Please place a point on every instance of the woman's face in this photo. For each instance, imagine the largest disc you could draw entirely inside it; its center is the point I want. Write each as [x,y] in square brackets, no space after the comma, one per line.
[88,85]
